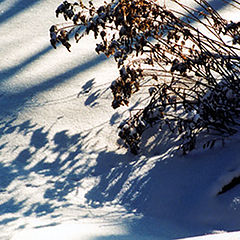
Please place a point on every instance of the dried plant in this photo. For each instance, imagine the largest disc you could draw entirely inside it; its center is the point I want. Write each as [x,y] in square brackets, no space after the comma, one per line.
[192,75]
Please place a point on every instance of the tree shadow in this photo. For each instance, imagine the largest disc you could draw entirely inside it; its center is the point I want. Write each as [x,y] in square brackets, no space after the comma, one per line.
[18,7]
[61,159]
[143,184]
[218,5]
[16,100]
[22,167]
[138,185]
[54,81]
[10,206]
[6,74]
[39,138]
[170,190]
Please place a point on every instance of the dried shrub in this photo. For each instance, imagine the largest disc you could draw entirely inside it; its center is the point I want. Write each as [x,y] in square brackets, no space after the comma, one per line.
[192,75]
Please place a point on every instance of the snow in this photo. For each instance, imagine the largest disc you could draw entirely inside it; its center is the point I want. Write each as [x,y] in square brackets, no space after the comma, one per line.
[218,235]
[63,174]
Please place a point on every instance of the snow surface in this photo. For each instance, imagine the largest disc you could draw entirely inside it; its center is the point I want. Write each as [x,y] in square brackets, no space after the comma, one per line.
[63,174]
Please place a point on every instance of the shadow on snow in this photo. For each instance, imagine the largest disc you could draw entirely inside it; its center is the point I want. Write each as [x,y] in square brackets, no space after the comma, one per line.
[17,8]
[130,182]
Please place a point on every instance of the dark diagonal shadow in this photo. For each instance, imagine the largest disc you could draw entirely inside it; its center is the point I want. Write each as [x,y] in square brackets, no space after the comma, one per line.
[218,5]
[18,7]
[215,4]
[9,72]
[16,100]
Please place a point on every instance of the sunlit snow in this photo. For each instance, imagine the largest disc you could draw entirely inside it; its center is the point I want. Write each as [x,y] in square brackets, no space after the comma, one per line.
[63,174]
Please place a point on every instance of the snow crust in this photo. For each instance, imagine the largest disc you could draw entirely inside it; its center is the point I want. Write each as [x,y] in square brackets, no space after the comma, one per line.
[62,173]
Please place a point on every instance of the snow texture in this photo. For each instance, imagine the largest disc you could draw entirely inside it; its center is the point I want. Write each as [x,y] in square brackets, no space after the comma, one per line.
[62,173]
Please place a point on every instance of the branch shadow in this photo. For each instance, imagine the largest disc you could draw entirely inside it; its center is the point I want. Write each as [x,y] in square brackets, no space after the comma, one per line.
[21,168]
[61,159]
[146,185]
[120,177]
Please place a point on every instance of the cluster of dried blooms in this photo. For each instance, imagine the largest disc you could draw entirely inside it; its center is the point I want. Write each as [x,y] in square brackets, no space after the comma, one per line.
[61,37]
[192,75]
